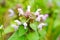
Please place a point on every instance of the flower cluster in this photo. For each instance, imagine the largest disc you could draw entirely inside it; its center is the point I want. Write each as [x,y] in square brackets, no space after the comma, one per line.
[36,16]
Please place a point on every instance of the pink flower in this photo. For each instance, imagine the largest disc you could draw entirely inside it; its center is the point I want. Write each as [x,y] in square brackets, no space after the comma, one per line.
[27,14]
[41,25]
[45,16]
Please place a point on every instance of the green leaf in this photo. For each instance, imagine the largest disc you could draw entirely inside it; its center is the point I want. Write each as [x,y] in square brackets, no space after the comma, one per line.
[15,36]
[22,31]
[42,32]
[34,25]
[33,36]
[8,30]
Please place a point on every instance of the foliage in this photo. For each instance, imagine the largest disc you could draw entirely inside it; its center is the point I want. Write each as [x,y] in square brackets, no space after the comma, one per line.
[32,32]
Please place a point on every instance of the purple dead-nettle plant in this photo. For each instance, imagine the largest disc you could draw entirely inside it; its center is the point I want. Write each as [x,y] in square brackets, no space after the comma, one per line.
[11,12]
[30,17]
[41,25]
[18,22]
[15,27]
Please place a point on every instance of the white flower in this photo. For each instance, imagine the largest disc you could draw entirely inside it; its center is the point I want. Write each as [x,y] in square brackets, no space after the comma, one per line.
[1,26]
[37,12]
[18,22]
[28,8]
[11,12]
[41,25]
[14,26]
[25,25]
[20,11]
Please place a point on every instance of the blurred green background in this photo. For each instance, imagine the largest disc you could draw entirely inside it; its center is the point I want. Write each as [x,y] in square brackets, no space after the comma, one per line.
[51,7]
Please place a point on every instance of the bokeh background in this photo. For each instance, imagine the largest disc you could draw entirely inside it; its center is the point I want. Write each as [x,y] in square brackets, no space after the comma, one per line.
[51,7]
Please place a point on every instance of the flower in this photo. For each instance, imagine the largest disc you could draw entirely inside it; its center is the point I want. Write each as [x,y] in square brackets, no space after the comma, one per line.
[25,25]
[28,13]
[14,26]
[41,25]
[45,16]
[18,22]
[39,18]
[11,12]
[20,11]
[37,12]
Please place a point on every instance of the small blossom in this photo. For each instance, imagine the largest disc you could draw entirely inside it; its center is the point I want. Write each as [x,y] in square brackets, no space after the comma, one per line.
[41,25]
[37,12]
[18,22]
[14,26]
[27,14]
[45,16]
[20,11]
[25,25]
[11,12]
[39,18]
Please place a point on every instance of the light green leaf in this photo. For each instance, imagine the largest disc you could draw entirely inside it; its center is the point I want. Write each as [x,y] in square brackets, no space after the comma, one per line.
[33,36]
[34,25]
[42,32]
[22,31]
[8,30]
[17,35]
